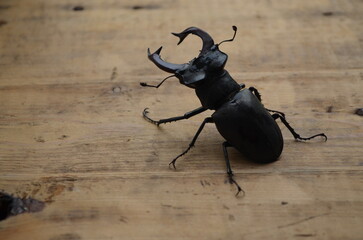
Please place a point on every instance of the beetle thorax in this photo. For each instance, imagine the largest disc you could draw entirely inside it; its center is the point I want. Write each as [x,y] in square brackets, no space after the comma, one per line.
[216,90]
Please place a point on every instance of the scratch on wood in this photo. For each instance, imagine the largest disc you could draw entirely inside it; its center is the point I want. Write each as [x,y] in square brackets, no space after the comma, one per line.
[147,7]
[78,8]
[201,182]
[171,206]
[4,7]
[329,109]
[67,236]
[3,22]
[204,183]
[113,74]
[39,139]
[327,14]
[302,220]
[123,219]
[305,235]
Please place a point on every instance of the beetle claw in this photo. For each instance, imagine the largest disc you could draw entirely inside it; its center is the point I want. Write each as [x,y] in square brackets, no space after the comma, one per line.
[173,163]
[298,138]
[144,114]
[325,137]
[239,189]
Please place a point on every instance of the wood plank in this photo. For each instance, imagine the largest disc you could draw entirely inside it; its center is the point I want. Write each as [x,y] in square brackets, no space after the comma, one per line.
[72,133]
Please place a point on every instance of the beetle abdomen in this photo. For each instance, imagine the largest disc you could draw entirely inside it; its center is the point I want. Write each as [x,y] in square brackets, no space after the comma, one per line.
[245,124]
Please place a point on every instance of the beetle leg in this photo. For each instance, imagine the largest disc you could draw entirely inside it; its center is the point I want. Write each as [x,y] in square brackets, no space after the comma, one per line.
[274,111]
[173,119]
[295,134]
[207,120]
[229,169]
[257,94]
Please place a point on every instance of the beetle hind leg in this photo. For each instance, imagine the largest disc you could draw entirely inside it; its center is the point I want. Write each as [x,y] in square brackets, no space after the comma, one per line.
[277,115]
[274,111]
[229,169]
[256,93]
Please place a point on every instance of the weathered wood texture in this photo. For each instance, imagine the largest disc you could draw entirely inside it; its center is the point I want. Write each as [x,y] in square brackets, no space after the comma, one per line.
[71,131]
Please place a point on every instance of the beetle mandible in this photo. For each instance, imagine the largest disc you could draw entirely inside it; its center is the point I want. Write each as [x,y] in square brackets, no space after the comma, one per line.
[239,115]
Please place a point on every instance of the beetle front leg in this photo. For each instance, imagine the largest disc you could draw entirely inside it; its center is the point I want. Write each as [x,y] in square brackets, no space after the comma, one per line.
[173,119]
[295,134]
[229,169]
[191,144]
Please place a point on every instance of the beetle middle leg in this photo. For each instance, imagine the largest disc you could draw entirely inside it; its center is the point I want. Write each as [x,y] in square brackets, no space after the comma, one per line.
[191,144]
[295,134]
[229,169]
[173,119]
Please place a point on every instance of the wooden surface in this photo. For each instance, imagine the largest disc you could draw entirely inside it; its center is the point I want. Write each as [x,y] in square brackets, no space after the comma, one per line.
[71,131]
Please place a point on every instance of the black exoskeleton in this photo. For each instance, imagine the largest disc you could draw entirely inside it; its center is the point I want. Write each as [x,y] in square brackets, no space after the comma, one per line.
[239,114]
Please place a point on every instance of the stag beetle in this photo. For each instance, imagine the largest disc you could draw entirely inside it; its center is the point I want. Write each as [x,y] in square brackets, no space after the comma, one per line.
[239,115]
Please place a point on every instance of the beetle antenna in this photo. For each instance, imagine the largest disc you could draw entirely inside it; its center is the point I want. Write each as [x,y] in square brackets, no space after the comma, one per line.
[230,40]
[144,84]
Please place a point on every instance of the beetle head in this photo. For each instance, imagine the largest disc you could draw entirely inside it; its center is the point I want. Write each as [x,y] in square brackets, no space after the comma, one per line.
[209,62]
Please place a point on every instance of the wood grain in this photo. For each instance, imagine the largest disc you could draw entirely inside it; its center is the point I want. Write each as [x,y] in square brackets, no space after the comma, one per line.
[72,133]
